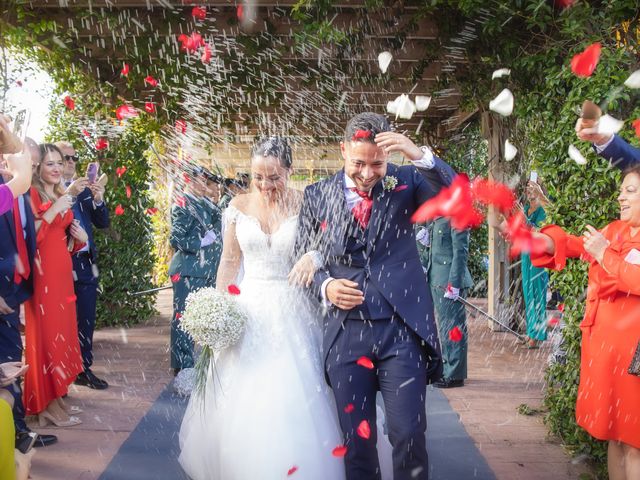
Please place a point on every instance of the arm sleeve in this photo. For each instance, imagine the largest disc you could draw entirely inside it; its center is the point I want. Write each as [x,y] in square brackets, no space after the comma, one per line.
[565,246]
[429,182]
[183,236]
[620,274]
[99,214]
[620,154]
[460,245]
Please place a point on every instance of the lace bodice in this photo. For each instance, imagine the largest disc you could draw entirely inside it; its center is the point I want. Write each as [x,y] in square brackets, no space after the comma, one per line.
[264,256]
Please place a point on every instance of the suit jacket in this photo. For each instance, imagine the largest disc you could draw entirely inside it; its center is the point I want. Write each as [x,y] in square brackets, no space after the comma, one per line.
[448,255]
[391,264]
[88,214]
[188,225]
[620,154]
[15,294]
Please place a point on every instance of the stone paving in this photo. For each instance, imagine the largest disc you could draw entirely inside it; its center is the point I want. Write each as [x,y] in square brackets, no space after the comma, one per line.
[503,375]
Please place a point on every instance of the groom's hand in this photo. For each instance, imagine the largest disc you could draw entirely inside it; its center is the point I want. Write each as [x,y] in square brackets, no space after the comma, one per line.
[393,142]
[344,294]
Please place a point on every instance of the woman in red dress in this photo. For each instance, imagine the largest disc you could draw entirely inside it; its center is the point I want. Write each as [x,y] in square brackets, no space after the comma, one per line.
[608,404]
[51,333]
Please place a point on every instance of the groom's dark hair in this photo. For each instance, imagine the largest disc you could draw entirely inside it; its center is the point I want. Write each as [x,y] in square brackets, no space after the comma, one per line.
[274,147]
[365,126]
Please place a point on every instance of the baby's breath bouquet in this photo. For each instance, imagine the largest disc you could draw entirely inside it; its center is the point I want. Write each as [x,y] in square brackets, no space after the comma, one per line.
[215,321]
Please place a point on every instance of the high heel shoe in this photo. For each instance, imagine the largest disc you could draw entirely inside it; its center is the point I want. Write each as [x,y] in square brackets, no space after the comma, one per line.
[45,418]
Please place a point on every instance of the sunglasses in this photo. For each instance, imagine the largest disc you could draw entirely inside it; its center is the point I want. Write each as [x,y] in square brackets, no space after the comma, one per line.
[74,158]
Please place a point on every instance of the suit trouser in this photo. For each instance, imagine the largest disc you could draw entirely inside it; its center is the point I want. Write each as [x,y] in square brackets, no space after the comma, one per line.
[399,373]
[449,315]
[86,290]
[181,342]
[11,351]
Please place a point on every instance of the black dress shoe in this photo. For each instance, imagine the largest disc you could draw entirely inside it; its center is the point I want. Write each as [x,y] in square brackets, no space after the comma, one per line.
[449,383]
[88,379]
[25,437]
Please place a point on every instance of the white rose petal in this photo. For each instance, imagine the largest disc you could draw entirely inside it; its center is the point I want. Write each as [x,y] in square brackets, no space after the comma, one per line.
[384,59]
[501,72]
[402,107]
[422,102]
[503,103]
[510,151]
[576,156]
[609,125]
[634,80]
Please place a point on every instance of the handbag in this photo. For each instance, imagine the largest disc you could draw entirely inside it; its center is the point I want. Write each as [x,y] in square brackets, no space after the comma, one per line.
[634,368]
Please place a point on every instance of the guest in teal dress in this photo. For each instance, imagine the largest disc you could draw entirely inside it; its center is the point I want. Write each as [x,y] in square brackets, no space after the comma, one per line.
[535,280]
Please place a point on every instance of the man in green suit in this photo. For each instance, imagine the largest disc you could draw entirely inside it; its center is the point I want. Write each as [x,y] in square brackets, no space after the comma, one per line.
[196,225]
[443,253]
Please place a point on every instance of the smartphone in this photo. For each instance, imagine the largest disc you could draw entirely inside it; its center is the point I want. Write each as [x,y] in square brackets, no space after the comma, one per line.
[20,124]
[92,171]
[533,176]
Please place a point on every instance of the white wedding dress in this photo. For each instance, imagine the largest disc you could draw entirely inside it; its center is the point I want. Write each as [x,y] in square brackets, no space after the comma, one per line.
[267,410]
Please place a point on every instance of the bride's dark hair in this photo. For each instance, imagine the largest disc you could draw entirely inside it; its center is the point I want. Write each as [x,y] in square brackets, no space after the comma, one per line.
[274,147]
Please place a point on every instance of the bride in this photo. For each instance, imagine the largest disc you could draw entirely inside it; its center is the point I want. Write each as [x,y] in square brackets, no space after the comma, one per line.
[266,412]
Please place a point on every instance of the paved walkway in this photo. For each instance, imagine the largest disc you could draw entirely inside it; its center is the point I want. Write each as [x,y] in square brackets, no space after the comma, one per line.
[135,362]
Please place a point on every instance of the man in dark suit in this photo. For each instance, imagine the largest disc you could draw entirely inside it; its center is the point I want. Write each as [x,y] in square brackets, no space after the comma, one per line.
[90,210]
[17,252]
[379,331]
[610,146]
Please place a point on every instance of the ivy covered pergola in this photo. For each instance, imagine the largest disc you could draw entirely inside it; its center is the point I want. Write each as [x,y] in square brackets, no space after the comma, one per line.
[301,69]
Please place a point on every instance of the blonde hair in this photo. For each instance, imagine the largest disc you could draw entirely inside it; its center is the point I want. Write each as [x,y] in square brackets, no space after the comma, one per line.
[36,180]
[64,144]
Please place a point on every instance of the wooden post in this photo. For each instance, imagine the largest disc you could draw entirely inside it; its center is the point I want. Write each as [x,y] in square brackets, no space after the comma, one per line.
[494,129]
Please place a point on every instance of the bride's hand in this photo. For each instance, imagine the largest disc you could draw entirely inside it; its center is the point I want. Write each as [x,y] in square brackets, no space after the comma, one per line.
[303,271]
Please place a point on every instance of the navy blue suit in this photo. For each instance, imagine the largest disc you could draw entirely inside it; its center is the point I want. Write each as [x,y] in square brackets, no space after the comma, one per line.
[14,295]
[395,327]
[85,272]
[620,154]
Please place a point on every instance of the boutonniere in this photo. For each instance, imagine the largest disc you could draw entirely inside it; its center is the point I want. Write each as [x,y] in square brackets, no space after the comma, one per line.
[389,182]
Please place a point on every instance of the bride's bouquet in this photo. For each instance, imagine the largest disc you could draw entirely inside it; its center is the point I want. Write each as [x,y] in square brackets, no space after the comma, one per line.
[215,321]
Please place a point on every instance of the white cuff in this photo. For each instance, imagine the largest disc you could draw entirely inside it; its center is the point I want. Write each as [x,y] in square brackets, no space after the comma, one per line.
[323,291]
[426,161]
[96,205]
[603,147]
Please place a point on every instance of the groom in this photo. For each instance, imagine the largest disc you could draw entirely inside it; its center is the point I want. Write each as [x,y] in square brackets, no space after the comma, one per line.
[379,331]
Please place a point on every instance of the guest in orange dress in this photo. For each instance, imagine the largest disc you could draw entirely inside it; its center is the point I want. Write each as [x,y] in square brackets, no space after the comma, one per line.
[51,335]
[608,404]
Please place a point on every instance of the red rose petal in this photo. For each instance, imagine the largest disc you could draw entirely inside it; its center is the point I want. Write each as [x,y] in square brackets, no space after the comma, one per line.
[181,202]
[175,277]
[206,54]
[553,322]
[86,133]
[102,144]
[583,64]
[292,470]
[361,134]
[520,235]
[128,191]
[562,4]
[636,126]
[364,430]
[493,193]
[69,103]
[365,362]
[119,210]
[181,126]
[178,314]
[191,43]
[149,80]
[349,408]
[323,225]
[455,334]
[561,307]
[199,13]
[121,171]
[150,107]
[152,211]
[19,83]
[126,111]
[125,70]
[240,12]
[233,290]
[339,451]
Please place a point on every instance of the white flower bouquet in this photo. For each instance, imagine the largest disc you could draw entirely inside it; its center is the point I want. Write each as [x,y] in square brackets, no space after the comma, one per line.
[215,321]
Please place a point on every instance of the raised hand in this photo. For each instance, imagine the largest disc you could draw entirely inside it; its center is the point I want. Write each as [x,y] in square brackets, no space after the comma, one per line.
[98,192]
[587,131]
[344,294]
[396,142]
[62,204]
[77,186]
[595,243]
